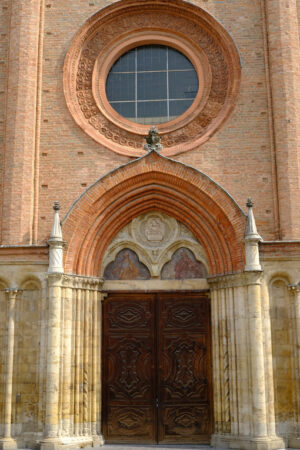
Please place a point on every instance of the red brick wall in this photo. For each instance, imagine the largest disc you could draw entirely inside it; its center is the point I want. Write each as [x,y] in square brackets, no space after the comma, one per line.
[4,34]
[239,157]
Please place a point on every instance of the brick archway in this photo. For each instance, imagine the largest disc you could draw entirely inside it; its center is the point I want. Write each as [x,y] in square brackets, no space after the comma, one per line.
[154,182]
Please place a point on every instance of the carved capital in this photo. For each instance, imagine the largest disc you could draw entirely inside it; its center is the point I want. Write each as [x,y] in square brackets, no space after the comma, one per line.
[294,288]
[235,280]
[13,293]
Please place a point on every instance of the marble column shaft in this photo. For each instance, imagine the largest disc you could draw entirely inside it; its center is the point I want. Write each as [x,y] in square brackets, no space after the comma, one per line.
[12,295]
[53,355]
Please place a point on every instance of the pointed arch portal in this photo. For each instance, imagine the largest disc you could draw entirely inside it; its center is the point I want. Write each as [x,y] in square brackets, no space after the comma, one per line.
[154,182]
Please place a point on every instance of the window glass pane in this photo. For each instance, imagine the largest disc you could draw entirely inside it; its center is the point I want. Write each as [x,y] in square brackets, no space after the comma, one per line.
[178,107]
[183,84]
[126,63]
[154,110]
[120,86]
[177,61]
[151,57]
[125,109]
[152,86]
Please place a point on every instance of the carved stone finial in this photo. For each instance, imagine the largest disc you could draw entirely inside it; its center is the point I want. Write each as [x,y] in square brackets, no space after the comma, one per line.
[251,230]
[249,203]
[153,140]
[252,238]
[56,206]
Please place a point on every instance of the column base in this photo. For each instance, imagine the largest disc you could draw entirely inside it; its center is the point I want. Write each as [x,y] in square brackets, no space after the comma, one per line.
[98,440]
[294,442]
[63,443]
[247,443]
[8,444]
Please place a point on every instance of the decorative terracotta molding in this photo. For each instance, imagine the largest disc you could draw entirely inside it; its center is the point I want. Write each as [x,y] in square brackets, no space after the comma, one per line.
[147,184]
[125,25]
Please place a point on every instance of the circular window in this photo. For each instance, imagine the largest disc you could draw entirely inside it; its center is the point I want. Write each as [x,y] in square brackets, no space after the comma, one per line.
[135,64]
[152,84]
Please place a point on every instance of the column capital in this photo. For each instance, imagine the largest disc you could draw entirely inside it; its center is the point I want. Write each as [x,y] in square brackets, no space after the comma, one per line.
[294,288]
[235,280]
[13,292]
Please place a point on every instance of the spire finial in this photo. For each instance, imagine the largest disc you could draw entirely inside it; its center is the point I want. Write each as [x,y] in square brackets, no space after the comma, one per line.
[252,238]
[56,244]
[56,206]
[56,233]
[153,140]
[251,230]
[249,203]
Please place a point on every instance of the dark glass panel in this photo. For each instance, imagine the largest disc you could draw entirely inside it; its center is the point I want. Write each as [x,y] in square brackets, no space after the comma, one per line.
[152,86]
[120,86]
[152,109]
[178,107]
[126,63]
[151,57]
[183,84]
[177,61]
[126,109]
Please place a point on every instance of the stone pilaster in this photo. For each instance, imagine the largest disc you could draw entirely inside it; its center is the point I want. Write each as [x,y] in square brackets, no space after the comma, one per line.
[73,377]
[53,362]
[7,442]
[20,136]
[242,415]
[284,62]
[294,441]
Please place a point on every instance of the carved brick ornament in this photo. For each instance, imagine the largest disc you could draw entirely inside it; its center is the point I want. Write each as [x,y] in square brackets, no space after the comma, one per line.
[127,24]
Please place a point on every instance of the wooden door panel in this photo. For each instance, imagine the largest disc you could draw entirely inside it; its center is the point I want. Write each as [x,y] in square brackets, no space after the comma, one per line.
[183,367]
[131,424]
[185,424]
[129,387]
[130,363]
[183,312]
[157,368]
[184,387]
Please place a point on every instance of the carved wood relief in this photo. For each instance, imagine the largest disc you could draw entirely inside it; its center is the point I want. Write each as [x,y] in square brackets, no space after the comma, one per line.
[154,245]
[157,368]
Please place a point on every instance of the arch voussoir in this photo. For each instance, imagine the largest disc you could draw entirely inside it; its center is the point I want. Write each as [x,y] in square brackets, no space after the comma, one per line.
[154,183]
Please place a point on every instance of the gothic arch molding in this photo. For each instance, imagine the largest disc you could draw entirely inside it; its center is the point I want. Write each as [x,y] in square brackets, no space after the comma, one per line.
[154,182]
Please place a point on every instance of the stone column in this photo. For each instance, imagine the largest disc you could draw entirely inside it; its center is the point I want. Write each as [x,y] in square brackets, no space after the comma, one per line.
[259,417]
[51,434]
[284,61]
[294,441]
[98,439]
[7,442]
[67,357]
[19,143]
[242,415]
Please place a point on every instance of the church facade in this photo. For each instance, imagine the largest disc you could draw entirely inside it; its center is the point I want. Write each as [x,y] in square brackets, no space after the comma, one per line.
[150,228]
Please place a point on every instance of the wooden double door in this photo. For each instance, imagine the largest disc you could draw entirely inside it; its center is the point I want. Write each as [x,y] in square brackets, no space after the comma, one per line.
[156,368]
